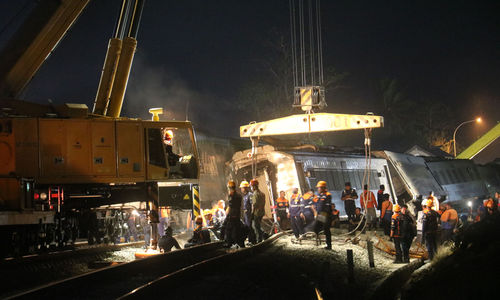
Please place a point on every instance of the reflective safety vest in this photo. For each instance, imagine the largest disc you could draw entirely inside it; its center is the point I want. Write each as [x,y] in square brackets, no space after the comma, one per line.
[296,206]
[368,200]
[324,202]
[307,202]
[282,203]
[396,222]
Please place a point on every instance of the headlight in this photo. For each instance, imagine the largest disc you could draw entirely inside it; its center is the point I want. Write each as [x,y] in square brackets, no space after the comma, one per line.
[43,196]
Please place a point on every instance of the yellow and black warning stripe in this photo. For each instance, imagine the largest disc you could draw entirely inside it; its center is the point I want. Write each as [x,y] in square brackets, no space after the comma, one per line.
[196,201]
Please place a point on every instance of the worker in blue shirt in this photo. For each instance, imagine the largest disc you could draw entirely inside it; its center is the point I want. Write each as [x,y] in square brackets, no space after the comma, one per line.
[295,213]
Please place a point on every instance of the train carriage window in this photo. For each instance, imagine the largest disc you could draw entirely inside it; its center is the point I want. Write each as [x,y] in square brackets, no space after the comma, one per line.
[338,180]
[446,179]
[374,180]
[358,178]
[437,174]
[457,175]
[451,176]
[345,176]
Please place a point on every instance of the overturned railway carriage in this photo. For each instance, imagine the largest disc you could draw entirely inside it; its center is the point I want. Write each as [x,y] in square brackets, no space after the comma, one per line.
[54,168]
[302,167]
[454,180]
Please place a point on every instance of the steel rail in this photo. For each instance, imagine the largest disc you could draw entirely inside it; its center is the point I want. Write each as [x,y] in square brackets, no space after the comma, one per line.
[171,280]
[116,280]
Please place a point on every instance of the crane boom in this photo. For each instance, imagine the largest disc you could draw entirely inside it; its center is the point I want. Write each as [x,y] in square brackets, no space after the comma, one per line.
[483,142]
[34,41]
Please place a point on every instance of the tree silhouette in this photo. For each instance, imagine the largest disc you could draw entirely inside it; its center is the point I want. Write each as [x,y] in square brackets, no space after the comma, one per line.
[396,107]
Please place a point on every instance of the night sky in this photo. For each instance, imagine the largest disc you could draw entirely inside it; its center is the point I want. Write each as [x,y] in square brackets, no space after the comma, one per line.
[204,52]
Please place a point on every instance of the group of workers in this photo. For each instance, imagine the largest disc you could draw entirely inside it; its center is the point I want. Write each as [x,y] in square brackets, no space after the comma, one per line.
[315,212]
[302,209]
[251,201]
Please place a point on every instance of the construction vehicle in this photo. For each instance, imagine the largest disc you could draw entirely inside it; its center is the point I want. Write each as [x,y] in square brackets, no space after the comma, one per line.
[60,162]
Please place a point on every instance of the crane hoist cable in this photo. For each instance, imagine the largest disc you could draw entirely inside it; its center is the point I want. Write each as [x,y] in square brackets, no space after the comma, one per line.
[311,44]
[306,73]
[302,43]
[293,42]
[320,42]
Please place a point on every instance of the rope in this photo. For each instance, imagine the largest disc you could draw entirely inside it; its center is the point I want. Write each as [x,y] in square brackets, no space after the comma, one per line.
[366,178]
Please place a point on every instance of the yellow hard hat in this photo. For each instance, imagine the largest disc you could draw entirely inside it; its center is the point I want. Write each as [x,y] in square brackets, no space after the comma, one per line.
[429,203]
[231,184]
[244,184]
[207,212]
[397,208]
[321,184]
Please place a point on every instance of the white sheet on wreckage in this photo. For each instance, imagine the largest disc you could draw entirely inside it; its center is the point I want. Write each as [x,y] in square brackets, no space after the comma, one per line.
[415,174]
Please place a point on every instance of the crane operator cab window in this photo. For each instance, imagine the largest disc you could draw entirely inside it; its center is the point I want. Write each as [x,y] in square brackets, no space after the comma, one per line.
[171,149]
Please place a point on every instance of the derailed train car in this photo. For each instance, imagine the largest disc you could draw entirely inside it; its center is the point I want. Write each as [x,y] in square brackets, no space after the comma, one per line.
[282,169]
[455,180]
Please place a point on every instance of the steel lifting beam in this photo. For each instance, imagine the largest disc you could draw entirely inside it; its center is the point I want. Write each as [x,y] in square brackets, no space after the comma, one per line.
[311,123]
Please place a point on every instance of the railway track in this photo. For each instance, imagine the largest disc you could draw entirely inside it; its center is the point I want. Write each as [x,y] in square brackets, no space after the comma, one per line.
[27,272]
[181,276]
[141,276]
[78,249]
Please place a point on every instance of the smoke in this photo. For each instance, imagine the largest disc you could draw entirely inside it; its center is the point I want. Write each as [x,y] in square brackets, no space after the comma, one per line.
[154,86]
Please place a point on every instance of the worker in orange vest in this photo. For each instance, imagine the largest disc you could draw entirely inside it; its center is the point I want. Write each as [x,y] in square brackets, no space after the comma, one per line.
[449,220]
[491,208]
[282,208]
[396,233]
[386,214]
[369,204]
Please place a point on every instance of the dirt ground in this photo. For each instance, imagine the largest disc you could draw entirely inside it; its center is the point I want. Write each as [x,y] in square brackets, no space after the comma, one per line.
[288,270]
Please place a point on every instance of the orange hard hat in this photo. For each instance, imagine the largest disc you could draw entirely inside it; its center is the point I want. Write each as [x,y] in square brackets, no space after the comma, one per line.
[397,208]
[490,204]
[254,182]
[231,184]
[244,184]
[321,184]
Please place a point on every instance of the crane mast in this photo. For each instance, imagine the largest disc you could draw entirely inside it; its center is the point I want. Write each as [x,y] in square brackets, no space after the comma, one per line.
[35,40]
